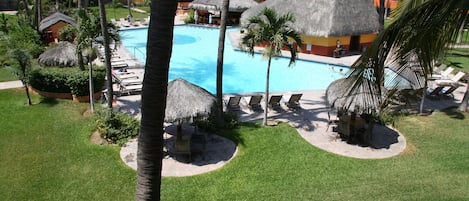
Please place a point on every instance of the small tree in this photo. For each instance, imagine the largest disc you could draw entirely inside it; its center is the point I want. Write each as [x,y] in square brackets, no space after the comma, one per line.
[267,27]
[22,68]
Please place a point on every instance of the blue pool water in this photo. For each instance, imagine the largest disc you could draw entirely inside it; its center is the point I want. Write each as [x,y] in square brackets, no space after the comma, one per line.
[194,58]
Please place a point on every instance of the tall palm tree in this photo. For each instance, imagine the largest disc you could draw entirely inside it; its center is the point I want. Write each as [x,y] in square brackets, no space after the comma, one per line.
[423,31]
[267,27]
[155,82]
[221,50]
[107,52]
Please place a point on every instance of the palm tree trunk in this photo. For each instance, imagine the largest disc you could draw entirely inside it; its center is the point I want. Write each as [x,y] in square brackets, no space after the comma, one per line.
[37,14]
[221,50]
[155,82]
[381,13]
[107,53]
[460,32]
[27,93]
[81,63]
[130,10]
[465,100]
[266,99]
[91,84]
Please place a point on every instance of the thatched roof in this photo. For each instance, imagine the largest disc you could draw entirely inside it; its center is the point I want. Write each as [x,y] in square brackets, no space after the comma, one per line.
[62,54]
[235,5]
[365,99]
[324,18]
[53,19]
[186,100]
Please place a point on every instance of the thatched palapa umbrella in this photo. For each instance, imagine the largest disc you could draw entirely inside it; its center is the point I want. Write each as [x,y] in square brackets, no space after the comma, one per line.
[186,101]
[324,18]
[366,99]
[62,54]
[235,5]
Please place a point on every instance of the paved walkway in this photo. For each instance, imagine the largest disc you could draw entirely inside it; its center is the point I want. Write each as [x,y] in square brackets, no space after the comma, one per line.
[10,84]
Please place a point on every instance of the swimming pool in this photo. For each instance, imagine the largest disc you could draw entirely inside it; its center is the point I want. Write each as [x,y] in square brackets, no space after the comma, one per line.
[194,58]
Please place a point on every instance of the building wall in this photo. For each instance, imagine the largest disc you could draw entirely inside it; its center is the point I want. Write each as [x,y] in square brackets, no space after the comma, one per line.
[52,32]
[326,46]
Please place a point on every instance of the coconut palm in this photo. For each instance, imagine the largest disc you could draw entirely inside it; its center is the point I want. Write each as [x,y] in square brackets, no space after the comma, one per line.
[422,32]
[221,50]
[267,27]
[107,52]
[155,82]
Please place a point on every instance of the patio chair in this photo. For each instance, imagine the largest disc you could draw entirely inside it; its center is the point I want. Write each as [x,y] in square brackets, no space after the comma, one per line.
[439,69]
[454,80]
[182,146]
[446,92]
[124,23]
[274,102]
[143,21]
[443,74]
[255,102]
[294,101]
[233,103]
[432,93]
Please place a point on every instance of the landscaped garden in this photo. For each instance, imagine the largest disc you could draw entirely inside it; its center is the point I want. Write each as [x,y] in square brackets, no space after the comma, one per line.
[46,155]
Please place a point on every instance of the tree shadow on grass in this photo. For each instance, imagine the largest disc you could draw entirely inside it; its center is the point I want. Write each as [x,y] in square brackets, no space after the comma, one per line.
[454,113]
[49,101]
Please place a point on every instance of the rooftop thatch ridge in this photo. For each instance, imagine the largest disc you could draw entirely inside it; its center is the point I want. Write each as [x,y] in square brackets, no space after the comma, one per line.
[325,18]
[235,5]
[54,18]
[62,54]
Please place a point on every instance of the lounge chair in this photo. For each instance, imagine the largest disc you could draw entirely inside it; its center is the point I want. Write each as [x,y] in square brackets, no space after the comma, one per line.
[255,102]
[124,23]
[274,101]
[143,21]
[233,103]
[128,89]
[444,74]
[440,68]
[449,91]
[435,92]
[294,101]
[454,80]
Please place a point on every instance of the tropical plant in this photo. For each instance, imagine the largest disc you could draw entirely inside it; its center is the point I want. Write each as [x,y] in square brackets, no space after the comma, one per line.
[155,82]
[422,32]
[268,27]
[68,33]
[221,50]
[115,126]
[22,68]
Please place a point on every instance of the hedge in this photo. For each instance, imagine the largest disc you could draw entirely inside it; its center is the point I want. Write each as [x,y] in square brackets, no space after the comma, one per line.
[66,80]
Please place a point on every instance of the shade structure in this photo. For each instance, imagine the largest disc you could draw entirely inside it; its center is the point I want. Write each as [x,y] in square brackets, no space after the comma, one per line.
[367,98]
[186,101]
[235,5]
[62,54]
[324,18]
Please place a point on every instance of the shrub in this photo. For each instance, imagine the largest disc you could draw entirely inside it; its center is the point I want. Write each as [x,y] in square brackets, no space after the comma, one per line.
[116,127]
[190,17]
[210,124]
[66,80]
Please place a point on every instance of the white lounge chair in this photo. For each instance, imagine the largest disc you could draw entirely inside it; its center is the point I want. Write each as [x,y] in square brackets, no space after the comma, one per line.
[454,80]
[443,74]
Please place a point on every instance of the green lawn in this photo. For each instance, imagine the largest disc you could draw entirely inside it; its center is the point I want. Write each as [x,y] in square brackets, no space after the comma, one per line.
[46,156]
[121,12]
[6,75]
[458,58]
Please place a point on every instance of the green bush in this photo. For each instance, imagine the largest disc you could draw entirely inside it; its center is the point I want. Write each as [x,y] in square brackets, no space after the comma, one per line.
[66,80]
[210,123]
[116,127]
[190,17]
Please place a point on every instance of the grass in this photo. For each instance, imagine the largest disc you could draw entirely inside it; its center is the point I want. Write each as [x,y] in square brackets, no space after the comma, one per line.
[6,75]
[121,12]
[46,156]
[458,58]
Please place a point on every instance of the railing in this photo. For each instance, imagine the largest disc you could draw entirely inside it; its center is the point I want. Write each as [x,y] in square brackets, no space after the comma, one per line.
[136,49]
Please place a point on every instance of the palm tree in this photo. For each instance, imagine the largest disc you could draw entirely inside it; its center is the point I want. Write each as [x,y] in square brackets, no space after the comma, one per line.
[221,50]
[107,52]
[423,31]
[21,70]
[274,30]
[155,82]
